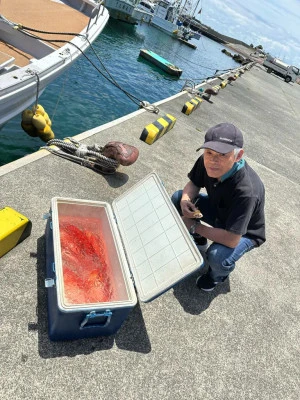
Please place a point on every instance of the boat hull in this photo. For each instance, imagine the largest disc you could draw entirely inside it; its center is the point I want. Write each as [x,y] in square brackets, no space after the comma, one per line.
[21,87]
[166,26]
[125,11]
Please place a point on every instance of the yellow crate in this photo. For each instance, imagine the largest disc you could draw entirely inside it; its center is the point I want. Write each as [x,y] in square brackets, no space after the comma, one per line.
[14,228]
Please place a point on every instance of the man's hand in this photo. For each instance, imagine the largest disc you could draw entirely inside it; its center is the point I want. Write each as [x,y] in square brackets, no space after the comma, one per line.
[189,193]
[188,208]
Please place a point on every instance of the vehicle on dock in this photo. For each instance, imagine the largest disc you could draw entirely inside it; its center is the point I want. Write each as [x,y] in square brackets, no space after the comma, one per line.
[289,72]
[38,44]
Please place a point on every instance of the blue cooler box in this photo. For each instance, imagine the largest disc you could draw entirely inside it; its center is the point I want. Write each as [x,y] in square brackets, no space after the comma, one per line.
[148,249]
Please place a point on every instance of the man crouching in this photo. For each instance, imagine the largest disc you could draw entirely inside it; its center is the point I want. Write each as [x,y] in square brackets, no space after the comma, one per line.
[233,204]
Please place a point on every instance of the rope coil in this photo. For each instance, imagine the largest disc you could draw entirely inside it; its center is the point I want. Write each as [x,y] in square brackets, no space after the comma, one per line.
[87,156]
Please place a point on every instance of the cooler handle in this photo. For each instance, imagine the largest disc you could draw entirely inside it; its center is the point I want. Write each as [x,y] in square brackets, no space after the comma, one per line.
[93,314]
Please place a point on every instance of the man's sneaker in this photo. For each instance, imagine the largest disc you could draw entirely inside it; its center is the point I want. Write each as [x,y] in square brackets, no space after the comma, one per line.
[206,283]
[201,242]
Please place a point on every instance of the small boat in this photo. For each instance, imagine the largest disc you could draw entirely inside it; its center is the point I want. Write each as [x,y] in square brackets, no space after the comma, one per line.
[127,11]
[30,57]
[161,62]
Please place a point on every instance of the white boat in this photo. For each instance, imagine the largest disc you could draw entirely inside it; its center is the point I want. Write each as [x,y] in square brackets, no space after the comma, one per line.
[188,12]
[30,60]
[167,18]
[146,5]
[127,11]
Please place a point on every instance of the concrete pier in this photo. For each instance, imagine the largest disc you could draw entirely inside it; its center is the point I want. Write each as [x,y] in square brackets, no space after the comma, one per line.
[239,342]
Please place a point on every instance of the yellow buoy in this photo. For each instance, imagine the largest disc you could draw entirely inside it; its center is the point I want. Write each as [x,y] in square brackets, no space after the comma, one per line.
[46,133]
[27,116]
[29,129]
[36,122]
[39,121]
[38,109]
[47,119]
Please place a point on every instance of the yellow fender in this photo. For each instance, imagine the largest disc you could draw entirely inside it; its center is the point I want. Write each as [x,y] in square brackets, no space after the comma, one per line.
[39,121]
[158,128]
[47,119]
[36,122]
[38,109]
[27,116]
[29,129]
[191,105]
[46,133]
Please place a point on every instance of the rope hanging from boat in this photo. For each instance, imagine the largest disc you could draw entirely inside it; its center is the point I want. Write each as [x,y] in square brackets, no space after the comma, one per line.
[37,90]
[140,103]
[87,156]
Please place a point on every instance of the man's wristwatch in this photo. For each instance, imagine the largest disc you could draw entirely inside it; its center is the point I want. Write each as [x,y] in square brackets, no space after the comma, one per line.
[194,226]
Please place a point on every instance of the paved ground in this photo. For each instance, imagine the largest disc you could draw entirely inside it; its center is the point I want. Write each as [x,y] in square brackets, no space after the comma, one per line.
[240,342]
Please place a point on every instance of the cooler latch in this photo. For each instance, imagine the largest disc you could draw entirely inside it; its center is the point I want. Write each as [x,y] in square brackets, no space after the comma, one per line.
[49,282]
[48,216]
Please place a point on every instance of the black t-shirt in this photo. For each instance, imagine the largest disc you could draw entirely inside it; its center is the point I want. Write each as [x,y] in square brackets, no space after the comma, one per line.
[238,201]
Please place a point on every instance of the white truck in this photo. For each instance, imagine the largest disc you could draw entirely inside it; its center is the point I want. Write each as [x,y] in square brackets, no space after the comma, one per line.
[289,72]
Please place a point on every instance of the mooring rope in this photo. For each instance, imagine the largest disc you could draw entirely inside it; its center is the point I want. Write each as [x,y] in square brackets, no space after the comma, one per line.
[140,103]
[87,156]
[37,90]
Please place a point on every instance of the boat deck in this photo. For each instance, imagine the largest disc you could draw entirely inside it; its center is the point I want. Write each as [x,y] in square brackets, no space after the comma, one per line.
[47,15]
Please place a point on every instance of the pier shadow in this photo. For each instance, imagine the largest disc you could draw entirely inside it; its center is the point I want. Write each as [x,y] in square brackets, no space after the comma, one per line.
[193,300]
[208,100]
[117,179]
[132,336]
[281,79]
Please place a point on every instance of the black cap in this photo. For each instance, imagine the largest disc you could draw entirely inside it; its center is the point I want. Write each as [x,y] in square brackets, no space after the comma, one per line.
[223,138]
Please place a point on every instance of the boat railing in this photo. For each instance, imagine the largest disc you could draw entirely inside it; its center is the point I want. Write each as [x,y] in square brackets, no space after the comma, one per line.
[99,7]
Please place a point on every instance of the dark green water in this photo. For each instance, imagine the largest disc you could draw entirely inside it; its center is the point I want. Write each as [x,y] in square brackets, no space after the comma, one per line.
[82,98]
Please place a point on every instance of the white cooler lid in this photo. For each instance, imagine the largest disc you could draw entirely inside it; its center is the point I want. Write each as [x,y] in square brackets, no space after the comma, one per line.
[157,243]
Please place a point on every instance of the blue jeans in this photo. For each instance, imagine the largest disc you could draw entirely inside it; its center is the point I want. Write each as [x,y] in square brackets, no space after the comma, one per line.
[221,259]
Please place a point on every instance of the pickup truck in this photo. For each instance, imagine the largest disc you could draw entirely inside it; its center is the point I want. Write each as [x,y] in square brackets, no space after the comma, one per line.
[289,72]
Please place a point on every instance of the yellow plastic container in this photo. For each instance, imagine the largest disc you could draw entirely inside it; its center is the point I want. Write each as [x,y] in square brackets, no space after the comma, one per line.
[14,228]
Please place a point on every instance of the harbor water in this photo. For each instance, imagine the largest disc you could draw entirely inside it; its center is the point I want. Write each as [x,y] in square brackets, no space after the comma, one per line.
[112,79]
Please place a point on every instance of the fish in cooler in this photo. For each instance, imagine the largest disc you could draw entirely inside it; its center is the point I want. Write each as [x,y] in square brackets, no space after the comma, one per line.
[87,275]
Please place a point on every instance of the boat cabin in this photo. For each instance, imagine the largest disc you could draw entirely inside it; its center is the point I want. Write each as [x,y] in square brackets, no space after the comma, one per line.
[167,10]
[146,5]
